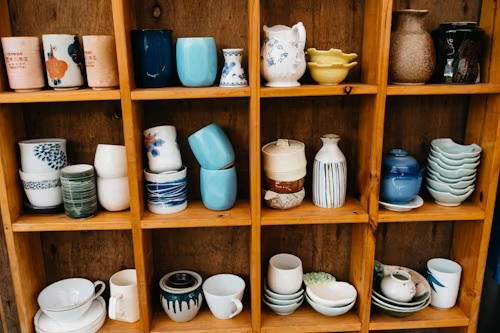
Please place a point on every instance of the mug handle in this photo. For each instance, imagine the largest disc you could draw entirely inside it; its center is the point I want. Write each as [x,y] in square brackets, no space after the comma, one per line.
[101,290]
[239,307]
[113,305]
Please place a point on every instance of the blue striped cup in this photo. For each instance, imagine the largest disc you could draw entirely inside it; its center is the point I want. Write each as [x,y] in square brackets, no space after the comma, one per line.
[166,192]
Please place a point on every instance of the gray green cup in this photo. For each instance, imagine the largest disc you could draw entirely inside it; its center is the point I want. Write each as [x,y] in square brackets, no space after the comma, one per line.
[79,191]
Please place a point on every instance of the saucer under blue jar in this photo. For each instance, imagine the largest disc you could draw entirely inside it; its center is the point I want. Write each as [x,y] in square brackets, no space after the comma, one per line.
[401,177]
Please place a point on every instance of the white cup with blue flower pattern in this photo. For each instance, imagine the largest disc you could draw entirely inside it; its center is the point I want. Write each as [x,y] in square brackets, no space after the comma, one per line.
[43,155]
[162,149]
[444,278]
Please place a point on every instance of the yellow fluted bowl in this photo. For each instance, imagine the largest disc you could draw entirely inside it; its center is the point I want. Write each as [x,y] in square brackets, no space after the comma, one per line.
[331,56]
[329,74]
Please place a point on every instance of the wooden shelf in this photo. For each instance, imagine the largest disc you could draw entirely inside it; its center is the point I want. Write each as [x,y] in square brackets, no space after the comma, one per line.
[308,213]
[148,94]
[431,211]
[204,322]
[120,326]
[427,318]
[444,89]
[51,95]
[318,90]
[196,215]
[306,319]
[60,222]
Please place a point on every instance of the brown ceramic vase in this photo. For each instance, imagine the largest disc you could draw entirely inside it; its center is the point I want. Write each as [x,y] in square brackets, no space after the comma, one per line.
[412,57]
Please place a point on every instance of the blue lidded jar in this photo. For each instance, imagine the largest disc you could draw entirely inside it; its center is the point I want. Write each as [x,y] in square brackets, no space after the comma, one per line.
[401,177]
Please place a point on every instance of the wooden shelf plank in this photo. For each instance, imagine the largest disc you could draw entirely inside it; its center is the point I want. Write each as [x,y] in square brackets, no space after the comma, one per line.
[444,89]
[120,326]
[427,318]
[318,90]
[204,322]
[147,94]
[431,211]
[308,213]
[196,215]
[306,319]
[60,222]
[51,95]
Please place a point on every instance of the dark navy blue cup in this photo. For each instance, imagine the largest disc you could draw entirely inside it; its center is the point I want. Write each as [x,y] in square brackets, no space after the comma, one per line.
[153,58]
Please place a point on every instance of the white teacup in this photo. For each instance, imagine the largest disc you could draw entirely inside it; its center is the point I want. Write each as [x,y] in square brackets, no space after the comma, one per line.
[444,277]
[110,161]
[162,149]
[224,293]
[42,189]
[124,301]
[113,193]
[43,155]
[284,274]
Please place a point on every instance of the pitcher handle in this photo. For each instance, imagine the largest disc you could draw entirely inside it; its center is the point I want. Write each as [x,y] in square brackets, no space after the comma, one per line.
[301,35]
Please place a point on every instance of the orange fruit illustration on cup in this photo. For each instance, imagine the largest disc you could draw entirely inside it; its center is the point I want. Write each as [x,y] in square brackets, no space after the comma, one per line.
[55,67]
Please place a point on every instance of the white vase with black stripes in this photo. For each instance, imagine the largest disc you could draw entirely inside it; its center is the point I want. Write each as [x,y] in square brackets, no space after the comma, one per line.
[329,174]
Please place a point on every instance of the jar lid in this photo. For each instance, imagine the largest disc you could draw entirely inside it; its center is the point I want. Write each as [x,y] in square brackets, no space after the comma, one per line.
[399,161]
[283,147]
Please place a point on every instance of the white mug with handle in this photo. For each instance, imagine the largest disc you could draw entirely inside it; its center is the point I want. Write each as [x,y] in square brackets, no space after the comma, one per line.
[224,293]
[124,301]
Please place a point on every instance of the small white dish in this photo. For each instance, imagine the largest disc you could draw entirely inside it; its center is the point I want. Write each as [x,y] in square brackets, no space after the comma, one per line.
[283,302]
[453,174]
[330,311]
[453,167]
[443,187]
[283,310]
[332,294]
[457,185]
[449,161]
[415,203]
[274,295]
[397,308]
[454,150]
[448,199]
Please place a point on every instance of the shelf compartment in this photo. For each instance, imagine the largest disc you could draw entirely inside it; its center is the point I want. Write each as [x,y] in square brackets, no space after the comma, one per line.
[60,96]
[306,319]
[431,211]
[204,322]
[319,90]
[115,326]
[427,318]
[443,89]
[308,213]
[60,222]
[196,215]
[148,94]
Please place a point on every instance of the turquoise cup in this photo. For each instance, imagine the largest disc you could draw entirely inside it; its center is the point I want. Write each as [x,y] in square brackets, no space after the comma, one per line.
[218,188]
[196,61]
[212,148]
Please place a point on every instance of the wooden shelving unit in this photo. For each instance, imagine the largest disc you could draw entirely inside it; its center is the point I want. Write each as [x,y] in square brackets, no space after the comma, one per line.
[369,114]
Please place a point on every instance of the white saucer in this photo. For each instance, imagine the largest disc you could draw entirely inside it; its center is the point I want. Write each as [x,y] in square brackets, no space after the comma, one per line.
[415,203]
[91,321]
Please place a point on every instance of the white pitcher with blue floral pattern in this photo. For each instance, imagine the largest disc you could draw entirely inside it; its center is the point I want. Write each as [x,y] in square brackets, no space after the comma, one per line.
[282,60]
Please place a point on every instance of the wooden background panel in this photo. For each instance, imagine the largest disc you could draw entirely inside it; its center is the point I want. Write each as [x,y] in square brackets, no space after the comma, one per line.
[83,124]
[8,318]
[189,116]
[306,119]
[321,247]
[413,244]
[329,24]
[95,255]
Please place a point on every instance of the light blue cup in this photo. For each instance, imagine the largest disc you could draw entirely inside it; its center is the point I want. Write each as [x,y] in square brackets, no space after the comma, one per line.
[196,61]
[218,188]
[212,148]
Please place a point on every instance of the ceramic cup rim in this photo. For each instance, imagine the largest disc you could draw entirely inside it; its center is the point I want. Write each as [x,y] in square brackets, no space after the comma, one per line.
[123,271]
[164,287]
[275,265]
[144,133]
[110,146]
[144,30]
[38,141]
[80,168]
[224,277]
[233,50]
[436,264]
[20,37]
[110,178]
[195,38]
[59,35]
[164,173]
[47,174]
[106,36]
[218,171]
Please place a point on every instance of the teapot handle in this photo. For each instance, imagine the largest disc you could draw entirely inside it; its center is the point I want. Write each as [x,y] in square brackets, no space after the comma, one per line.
[301,35]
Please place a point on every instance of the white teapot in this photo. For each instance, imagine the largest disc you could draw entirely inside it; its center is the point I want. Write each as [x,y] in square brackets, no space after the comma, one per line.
[282,61]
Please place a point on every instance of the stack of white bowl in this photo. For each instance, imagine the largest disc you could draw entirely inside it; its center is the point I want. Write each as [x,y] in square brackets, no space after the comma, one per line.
[110,164]
[71,305]
[328,296]
[283,292]
[451,171]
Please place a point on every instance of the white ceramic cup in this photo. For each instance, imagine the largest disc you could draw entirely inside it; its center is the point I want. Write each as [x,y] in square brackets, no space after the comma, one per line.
[162,149]
[444,277]
[113,193]
[43,155]
[124,301]
[42,189]
[110,161]
[284,274]
[224,293]
[166,193]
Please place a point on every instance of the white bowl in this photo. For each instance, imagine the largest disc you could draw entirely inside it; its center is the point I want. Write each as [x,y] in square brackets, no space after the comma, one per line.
[330,311]
[450,161]
[456,185]
[454,150]
[283,302]
[443,187]
[453,167]
[451,181]
[283,310]
[110,161]
[448,199]
[43,155]
[453,174]
[335,294]
[113,193]
[42,189]
[274,295]
[284,274]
